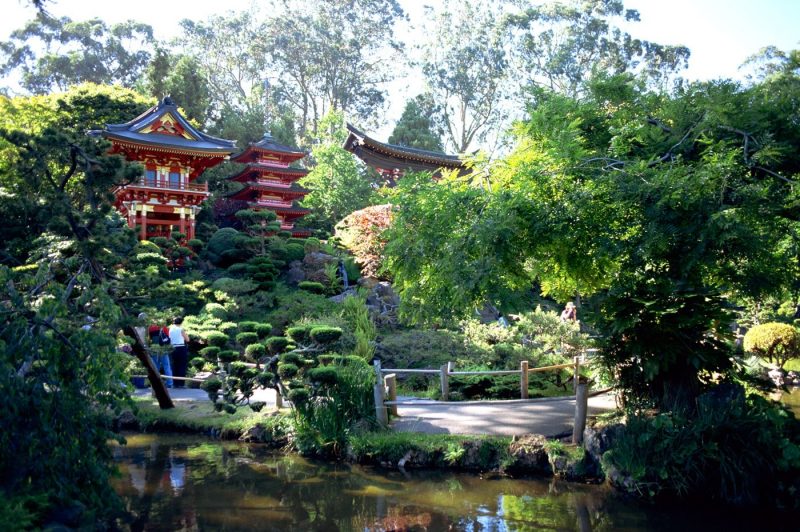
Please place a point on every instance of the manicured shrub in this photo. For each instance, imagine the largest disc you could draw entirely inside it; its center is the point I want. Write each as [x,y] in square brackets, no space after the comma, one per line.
[298,396]
[221,242]
[246,338]
[257,406]
[263,329]
[248,326]
[217,339]
[211,386]
[294,252]
[287,370]
[325,335]
[292,358]
[210,353]
[276,344]
[300,335]
[216,310]
[265,378]
[776,342]
[234,287]
[285,234]
[312,286]
[312,245]
[325,375]
[255,351]
[228,356]
[197,363]
[237,368]
[196,244]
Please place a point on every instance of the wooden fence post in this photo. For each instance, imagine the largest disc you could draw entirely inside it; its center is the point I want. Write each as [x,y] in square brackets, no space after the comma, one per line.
[391,384]
[523,379]
[445,383]
[576,374]
[581,405]
[379,392]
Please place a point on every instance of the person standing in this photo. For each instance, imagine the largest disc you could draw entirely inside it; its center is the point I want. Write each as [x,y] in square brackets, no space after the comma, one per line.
[180,350]
[570,313]
[159,340]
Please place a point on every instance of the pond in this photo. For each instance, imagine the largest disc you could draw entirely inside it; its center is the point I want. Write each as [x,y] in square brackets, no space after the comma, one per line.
[188,483]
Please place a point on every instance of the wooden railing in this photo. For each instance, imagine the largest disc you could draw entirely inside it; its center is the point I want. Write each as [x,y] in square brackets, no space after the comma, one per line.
[386,388]
[165,184]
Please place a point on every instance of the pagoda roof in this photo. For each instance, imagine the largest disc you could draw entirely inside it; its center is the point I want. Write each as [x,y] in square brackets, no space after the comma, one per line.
[381,155]
[294,190]
[254,169]
[268,144]
[162,126]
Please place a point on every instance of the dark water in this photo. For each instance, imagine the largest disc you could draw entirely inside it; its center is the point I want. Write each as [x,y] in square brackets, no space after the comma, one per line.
[185,483]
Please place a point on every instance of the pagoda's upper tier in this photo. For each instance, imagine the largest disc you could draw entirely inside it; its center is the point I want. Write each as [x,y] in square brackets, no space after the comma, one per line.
[164,127]
[268,151]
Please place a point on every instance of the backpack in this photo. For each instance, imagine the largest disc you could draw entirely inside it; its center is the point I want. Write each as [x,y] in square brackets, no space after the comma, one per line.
[163,338]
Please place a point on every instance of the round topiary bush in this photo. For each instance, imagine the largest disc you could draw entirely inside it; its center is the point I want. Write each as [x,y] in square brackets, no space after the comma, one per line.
[255,351]
[776,342]
[325,335]
[257,406]
[217,339]
[246,338]
[276,344]
[263,330]
[228,356]
[248,326]
[295,252]
[325,375]
[287,370]
[292,358]
[265,378]
[198,363]
[298,396]
[299,334]
[210,353]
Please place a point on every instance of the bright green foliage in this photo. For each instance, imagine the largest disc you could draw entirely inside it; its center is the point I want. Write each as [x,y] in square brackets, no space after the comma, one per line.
[338,186]
[355,312]
[776,342]
[221,248]
[248,326]
[299,334]
[658,204]
[210,353]
[259,224]
[198,363]
[325,335]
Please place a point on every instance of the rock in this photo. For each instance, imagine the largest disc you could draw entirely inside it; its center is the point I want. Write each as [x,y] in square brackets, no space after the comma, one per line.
[488,314]
[529,455]
[778,376]
[295,273]
[368,282]
[314,266]
[341,297]
[598,440]
[127,421]
[256,433]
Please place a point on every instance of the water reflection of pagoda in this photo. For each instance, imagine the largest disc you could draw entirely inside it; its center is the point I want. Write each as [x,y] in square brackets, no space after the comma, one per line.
[270,183]
[174,154]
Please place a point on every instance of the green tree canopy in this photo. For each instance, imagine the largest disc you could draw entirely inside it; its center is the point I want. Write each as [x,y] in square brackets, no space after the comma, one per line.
[55,53]
[417,126]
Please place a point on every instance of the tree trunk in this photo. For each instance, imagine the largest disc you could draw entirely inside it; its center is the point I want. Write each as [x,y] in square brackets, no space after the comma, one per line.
[139,350]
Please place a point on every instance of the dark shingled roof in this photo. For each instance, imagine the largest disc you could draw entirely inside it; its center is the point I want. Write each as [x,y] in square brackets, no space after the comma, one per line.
[131,132]
[392,156]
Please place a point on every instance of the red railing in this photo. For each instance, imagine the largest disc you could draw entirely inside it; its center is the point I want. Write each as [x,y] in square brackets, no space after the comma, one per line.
[164,184]
[274,203]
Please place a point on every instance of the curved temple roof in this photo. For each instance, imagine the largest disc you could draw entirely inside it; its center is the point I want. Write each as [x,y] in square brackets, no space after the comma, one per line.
[388,157]
[163,126]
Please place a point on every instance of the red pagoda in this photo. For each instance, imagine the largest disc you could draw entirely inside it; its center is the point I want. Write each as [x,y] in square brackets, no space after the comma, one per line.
[270,183]
[174,154]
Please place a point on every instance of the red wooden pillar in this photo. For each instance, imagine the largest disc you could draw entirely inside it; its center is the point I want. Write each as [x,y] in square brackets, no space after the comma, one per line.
[143,235]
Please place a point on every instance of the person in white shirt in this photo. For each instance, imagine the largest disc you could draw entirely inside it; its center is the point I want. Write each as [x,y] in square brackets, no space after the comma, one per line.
[180,350]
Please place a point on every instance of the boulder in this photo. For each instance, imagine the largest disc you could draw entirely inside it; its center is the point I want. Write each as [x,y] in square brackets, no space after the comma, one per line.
[295,273]
[126,421]
[529,455]
[314,266]
[599,439]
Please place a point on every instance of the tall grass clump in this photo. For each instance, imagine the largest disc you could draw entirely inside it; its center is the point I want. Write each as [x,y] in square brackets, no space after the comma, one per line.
[355,312]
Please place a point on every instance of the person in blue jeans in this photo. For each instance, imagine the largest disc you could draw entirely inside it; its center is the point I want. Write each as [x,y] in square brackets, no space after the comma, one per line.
[180,350]
[159,351]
